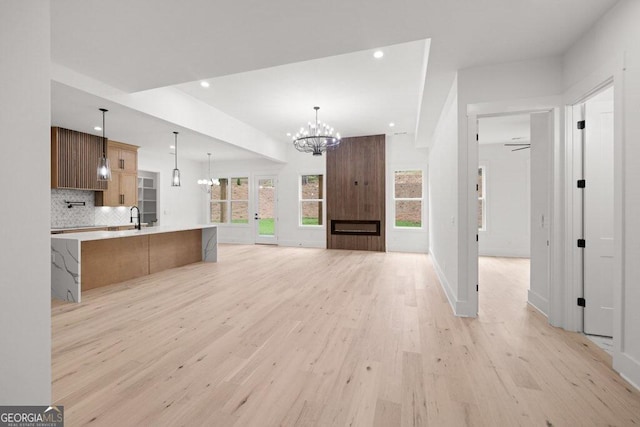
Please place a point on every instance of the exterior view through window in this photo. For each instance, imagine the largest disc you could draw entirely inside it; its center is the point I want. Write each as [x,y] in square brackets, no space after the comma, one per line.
[230,200]
[311,200]
[408,198]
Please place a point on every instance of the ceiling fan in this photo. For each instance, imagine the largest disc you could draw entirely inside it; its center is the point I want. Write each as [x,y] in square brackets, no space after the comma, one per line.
[521,145]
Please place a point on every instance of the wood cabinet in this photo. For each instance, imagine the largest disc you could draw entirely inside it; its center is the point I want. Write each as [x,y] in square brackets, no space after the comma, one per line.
[123,157]
[123,187]
[74,160]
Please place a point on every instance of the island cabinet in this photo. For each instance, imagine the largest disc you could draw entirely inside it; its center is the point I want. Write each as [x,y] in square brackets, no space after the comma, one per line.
[74,160]
[83,261]
[122,190]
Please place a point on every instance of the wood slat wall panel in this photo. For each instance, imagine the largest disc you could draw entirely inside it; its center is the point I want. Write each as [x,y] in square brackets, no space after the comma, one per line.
[74,159]
[358,160]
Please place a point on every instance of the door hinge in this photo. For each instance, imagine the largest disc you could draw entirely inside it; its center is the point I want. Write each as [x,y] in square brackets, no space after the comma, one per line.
[582,183]
[477,188]
[582,302]
[477,288]
[476,237]
[582,243]
[582,124]
[477,137]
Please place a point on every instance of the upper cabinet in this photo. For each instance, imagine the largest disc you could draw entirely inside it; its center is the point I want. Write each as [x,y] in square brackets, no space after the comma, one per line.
[123,157]
[122,189]
[74,160]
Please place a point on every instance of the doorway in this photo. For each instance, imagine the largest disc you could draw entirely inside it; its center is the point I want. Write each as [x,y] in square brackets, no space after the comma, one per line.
[594,132]
[514,202]
[504,225]
[265,203]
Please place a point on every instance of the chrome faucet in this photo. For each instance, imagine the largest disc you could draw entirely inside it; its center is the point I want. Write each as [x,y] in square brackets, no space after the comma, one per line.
[138,225]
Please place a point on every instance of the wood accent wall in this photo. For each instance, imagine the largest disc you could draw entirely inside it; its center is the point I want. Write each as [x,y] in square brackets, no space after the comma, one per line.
[356,190]
[74,159]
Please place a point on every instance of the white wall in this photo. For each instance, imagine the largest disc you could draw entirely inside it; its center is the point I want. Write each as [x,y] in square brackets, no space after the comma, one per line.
[182,205]
[443,197]
[402,154]
[611,48]
[507,201]
[25,119]
[526,83]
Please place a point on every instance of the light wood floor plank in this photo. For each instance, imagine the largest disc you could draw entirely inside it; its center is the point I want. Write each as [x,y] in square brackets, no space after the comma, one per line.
[273,336]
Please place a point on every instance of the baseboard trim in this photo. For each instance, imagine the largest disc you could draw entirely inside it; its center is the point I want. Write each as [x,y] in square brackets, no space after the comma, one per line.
[539,303]
[628,368]
[444,283]
[299,244]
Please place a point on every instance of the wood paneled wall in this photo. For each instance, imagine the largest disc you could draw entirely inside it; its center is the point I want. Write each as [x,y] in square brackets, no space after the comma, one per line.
[74,159]
[356,190]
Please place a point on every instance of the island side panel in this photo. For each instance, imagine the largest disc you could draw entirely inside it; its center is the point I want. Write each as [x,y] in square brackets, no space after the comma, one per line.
[114,260]
[169,250]
[210,244]
[65,269]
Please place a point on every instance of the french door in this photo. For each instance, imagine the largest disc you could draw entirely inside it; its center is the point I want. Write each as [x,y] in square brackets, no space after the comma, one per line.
[265,205]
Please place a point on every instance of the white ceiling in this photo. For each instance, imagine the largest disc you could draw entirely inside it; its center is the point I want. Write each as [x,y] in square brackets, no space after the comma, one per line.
[147,44]
[78,110]
[357,93]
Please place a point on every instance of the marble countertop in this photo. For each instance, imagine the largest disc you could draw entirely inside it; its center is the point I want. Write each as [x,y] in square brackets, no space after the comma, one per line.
[102,235]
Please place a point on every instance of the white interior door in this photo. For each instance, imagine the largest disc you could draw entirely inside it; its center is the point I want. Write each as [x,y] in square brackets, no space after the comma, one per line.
[541,139]
[598,214]
[265,205]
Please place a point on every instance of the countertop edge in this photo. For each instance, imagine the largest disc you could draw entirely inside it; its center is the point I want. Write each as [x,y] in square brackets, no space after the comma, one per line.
[104,235]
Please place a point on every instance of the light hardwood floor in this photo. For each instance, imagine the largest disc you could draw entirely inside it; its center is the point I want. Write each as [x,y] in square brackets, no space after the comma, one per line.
[286,336]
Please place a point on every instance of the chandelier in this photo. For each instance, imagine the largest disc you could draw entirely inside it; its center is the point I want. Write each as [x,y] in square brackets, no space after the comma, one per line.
[205,184]
[317,138]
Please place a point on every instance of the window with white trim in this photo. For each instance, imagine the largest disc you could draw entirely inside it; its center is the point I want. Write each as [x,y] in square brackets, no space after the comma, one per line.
[311,196]
[230,200]
[407,196]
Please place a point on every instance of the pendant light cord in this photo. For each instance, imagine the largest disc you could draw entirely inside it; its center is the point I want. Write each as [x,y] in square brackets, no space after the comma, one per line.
[104,144]
[176,143]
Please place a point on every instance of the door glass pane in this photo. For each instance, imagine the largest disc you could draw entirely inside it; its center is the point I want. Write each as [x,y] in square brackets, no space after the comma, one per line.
[266,207]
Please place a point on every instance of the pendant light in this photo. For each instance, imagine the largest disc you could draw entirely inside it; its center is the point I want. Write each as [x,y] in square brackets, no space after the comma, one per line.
[104,169]
[175,182]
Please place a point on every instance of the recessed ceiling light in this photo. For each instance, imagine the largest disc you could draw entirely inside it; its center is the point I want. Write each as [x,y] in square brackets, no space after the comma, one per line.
[97,128]
[288,133]
[378,54]
[204,84]
[172,146]
[392,124]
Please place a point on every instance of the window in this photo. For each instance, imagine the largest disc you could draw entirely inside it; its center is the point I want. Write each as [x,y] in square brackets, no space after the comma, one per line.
[311,200]
[408,198]
[482,203]
[230,200]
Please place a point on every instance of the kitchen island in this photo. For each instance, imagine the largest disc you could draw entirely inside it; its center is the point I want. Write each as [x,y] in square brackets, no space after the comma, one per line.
[82,261]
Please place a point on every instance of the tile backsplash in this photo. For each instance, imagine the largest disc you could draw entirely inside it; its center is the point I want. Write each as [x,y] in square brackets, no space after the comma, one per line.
[63,216]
